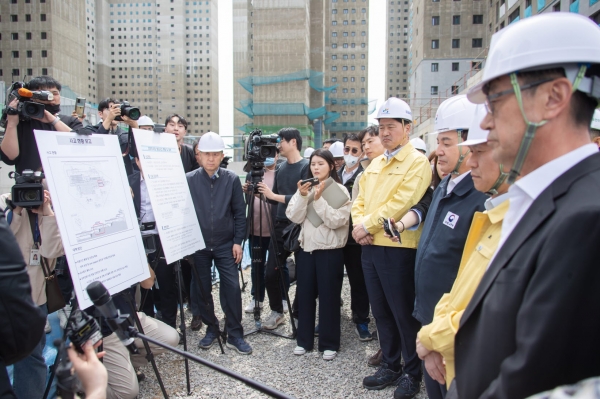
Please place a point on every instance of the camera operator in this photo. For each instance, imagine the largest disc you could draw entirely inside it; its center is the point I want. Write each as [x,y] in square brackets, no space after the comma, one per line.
[285,186]
[177,125]
[37,235]
[22,322]
[19,147]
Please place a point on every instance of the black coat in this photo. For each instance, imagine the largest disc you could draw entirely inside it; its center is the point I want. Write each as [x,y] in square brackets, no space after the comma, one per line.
[534,321]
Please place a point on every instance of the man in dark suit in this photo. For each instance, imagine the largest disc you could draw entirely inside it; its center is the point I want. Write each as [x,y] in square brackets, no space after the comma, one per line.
[533,320]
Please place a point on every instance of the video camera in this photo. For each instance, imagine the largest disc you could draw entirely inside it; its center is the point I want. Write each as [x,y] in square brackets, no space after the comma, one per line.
[26,109]
[28,191]
[127,110]
[259,147]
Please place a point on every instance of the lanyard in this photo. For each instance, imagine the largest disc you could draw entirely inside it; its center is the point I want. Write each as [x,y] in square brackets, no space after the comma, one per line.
[36,232]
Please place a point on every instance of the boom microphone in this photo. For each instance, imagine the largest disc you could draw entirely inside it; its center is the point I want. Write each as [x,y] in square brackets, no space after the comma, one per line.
[38,95]
[118,323]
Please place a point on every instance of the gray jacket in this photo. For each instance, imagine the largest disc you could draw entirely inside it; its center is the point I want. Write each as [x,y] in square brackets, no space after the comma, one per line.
[219,205]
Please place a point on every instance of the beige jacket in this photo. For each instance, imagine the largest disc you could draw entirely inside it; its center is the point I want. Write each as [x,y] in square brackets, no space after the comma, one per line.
[50,249]
[333,233]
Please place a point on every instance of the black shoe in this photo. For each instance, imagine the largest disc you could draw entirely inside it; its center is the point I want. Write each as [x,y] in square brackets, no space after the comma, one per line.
[196,323]
[408,387]
[382,378]
[140,376]
[317,330]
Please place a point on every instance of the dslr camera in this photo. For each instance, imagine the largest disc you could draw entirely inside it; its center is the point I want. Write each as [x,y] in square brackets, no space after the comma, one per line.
[127,110]
[28,192]
[25,109]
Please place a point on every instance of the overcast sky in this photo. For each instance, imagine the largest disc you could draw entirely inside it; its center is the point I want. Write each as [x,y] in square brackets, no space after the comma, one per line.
[377,40]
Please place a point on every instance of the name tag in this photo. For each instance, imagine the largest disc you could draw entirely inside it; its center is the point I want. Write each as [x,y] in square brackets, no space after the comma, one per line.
[34,257]
[451,219]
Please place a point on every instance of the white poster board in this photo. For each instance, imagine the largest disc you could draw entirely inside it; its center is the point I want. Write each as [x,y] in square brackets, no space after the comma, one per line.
[176,220]
[94,210]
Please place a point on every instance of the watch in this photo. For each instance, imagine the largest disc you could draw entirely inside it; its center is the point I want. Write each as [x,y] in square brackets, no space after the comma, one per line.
[55,121]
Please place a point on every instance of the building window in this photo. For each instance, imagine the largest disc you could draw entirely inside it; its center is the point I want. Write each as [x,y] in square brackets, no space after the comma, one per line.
[454,90]
[334,11]
[29,72]
[14,18]
[434,67]
[42,17]
[15,54]
[14,36]
[44,35]
[334,34]
[514,16]
[28,35]
[455,43]
[15,72]
[27,17]
[477,43]
[334,68]
[44,53]
[435,20]
[45,72]
[455,66]
[435,43]
[456,20]
[434,90]
[29,54]
[476,65]
[477,19]
[555,8]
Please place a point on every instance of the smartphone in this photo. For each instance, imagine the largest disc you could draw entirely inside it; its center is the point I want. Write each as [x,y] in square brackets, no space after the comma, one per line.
[80,106]
[313,181]
[390,228]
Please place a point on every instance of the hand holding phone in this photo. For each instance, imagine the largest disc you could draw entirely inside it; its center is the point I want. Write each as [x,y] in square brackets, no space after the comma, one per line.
[313,181]
[390,229]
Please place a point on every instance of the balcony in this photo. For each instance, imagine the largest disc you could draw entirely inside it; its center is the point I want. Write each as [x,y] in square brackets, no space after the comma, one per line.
[574,7]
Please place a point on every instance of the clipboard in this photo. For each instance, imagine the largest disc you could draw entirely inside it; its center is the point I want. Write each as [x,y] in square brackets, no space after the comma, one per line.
[333,194]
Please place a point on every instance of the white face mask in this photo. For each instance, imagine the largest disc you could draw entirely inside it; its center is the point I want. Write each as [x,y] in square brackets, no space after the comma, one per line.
[350,160]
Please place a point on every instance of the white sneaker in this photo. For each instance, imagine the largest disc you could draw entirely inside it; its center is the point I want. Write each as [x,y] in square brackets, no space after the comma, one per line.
[285,306]
[63,316]
[48,327]
[273,320]
[329,355]
[250,307]
[299,351]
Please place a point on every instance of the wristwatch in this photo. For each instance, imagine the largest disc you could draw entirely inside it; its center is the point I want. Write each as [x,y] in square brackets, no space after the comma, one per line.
[55,121]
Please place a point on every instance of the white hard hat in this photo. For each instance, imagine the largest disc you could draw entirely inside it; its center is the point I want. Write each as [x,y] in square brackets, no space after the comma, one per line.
[419,144]
[211,142]
[395,108]
[544,41]
[596,120]
[308,152]
[145,121]
[337,149]
[456,113]
[476,134]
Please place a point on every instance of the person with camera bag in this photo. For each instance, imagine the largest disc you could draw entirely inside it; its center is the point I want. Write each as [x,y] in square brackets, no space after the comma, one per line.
[320,259]
[19,147]
[38,238]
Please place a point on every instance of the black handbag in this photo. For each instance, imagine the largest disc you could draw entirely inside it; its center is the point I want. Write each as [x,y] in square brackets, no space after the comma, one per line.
[290,237]
[54,297]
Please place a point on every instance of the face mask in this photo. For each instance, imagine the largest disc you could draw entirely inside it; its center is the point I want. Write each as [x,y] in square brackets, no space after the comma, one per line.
[52,108]
[350,160]
[269,161]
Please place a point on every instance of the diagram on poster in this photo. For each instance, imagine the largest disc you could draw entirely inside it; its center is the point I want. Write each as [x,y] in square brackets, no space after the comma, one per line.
[94,210]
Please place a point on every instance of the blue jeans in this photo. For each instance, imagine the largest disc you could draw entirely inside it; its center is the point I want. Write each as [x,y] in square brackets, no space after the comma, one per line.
[229,289]
[29,375]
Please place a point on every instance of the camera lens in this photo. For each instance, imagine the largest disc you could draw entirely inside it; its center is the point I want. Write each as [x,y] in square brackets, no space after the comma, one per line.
[30,109]
[29,195]
[134,113]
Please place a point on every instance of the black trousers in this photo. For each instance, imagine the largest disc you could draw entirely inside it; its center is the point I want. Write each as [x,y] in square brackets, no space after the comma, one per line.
[390,279]
[435,390]
[272,281]
[319,273]
[359,298]
[258,250]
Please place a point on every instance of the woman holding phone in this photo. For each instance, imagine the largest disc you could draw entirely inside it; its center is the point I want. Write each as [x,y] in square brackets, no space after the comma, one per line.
[320,261]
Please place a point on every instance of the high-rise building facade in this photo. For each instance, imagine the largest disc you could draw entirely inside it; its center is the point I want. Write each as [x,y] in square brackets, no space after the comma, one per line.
[448,42]
[300,63]
[160,55]
[396,67]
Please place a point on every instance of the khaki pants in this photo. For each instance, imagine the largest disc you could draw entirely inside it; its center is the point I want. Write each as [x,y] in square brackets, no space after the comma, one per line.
[122,380]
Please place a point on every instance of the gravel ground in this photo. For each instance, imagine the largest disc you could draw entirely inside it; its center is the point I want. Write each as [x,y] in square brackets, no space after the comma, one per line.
[271,362]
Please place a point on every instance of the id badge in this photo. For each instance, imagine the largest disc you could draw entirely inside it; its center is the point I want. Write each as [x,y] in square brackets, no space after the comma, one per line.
[34,257]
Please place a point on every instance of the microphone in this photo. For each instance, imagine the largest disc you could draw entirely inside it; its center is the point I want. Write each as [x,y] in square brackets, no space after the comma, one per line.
[118,323]
[38,95]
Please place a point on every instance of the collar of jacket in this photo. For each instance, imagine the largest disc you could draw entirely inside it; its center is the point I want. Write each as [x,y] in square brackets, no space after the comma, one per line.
[217,173]
[400,156]
[462,188]
[352,178]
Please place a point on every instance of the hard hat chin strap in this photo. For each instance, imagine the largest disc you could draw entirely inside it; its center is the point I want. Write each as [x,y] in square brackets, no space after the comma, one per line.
[461,156]
[498,183]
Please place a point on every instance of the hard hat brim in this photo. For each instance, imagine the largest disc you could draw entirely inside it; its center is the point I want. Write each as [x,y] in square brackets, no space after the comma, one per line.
[476,95]
[472,142]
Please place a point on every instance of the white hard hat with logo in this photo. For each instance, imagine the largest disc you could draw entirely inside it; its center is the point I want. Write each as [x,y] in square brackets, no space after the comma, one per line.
[455,113]
[308,152]
[419,144]
[544,41]
[395,108]
[476,134]
[596,120]
[211,142]
[337,149]
[145,121]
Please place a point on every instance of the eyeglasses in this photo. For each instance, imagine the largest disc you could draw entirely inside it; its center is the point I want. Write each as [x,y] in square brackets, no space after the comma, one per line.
[492,97]
[354,151]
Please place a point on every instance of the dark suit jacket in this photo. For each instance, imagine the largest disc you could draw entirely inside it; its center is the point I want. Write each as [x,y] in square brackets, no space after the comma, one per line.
[534,321]
[135,184]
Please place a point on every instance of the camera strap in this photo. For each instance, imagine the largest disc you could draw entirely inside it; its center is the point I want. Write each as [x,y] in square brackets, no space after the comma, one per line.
[35,228]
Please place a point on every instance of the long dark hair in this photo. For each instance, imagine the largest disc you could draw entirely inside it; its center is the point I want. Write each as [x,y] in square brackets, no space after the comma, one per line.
[328,157]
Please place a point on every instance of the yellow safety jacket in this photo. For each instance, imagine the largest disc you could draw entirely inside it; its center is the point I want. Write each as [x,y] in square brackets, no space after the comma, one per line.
[389,189]
[480,246]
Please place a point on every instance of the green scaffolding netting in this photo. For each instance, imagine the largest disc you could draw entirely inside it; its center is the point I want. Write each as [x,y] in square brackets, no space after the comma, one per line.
[315,80]
[251,109]
[347,126]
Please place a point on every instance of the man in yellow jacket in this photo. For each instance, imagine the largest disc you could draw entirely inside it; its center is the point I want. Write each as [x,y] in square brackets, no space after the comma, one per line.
[435,342]
[392,184]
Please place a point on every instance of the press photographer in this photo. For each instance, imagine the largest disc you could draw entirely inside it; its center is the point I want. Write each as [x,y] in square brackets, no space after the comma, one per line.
[19,147]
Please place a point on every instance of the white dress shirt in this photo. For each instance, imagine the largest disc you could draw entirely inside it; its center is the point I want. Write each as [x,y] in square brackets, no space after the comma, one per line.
[454,182]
